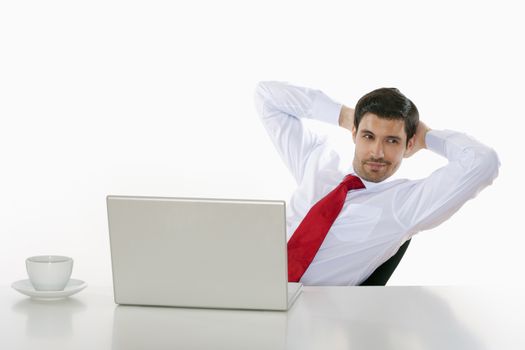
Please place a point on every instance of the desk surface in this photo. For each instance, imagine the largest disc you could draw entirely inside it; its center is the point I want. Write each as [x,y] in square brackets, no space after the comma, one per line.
[322,318]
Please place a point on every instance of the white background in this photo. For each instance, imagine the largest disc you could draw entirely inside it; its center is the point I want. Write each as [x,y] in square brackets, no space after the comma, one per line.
[156,98]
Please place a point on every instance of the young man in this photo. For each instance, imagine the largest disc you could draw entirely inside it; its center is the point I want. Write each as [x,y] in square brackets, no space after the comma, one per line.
[380,215]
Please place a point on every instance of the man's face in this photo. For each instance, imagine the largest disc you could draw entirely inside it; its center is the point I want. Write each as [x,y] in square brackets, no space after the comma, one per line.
[380,145]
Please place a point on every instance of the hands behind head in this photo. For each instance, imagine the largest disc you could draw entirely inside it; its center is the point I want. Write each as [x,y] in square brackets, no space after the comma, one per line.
[346,120]
[418,140]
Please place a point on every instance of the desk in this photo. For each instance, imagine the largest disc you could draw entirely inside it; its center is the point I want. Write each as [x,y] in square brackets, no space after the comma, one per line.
[322,318]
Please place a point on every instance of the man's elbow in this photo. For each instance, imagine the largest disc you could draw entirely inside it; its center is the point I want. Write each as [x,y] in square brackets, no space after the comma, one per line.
[264,95]
[487,165]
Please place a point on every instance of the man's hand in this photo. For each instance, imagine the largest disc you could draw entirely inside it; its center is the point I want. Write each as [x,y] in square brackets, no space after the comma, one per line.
[418,139]
[346,117]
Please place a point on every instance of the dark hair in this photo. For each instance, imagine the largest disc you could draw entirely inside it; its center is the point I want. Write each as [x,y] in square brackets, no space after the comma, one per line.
[388,103]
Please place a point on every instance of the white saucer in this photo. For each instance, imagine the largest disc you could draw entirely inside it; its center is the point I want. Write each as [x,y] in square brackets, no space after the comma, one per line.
[25,287]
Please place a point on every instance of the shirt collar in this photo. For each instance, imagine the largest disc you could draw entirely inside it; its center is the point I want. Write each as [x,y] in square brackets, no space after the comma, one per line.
[370,185]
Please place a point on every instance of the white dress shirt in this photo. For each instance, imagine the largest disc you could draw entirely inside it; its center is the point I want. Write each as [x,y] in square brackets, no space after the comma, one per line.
[376,221]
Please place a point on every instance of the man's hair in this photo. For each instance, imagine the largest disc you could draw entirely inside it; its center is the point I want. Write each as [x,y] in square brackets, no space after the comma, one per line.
[388,103]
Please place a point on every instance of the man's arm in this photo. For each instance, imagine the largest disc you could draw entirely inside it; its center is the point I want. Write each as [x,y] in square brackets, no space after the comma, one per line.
[281,107]
[472,166]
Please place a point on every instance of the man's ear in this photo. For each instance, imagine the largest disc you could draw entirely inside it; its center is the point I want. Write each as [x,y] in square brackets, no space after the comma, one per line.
[410,147]
[354,132]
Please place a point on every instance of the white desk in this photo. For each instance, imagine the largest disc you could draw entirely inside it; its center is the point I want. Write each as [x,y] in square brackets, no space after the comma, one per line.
[322,318]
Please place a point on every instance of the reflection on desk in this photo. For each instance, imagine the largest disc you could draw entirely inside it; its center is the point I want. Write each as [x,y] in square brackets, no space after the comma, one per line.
[322,318]
[369,318]
[49,318]
[138,327]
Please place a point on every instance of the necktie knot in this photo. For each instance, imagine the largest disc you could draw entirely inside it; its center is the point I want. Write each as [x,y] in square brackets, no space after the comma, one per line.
[352,182]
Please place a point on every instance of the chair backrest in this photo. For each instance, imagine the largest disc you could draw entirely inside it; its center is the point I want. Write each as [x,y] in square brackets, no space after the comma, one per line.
[382,274]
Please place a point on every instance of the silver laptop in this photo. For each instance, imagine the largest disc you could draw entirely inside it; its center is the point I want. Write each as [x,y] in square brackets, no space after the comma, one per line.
[206,253]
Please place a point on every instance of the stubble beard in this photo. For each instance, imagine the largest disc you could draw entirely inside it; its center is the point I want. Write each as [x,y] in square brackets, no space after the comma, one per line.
[372,176]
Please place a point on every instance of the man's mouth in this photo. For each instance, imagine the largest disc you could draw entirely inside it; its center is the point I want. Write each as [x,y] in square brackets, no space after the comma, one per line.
[376,165]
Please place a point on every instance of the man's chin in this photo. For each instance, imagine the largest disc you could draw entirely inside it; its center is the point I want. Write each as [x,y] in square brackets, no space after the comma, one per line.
[372,177]
[376,180]
[373,174]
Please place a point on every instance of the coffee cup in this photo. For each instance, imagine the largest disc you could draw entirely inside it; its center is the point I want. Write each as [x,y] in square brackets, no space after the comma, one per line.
[49,272]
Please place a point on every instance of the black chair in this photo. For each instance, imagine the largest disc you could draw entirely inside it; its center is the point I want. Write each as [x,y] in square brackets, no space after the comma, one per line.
[382,274]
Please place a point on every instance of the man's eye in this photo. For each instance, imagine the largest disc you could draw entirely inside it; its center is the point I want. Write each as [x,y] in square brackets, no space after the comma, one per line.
[367,136]
[393,141]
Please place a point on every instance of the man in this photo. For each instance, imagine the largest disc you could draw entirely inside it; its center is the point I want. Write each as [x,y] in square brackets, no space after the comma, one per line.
[379,217]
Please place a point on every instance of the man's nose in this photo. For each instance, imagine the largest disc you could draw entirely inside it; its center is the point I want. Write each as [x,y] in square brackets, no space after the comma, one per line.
[377,150]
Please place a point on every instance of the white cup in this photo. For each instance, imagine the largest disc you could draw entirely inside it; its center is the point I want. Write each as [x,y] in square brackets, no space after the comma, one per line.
[49,272]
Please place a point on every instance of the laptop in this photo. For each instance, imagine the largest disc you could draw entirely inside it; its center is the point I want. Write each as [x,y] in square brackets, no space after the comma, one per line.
[202,253]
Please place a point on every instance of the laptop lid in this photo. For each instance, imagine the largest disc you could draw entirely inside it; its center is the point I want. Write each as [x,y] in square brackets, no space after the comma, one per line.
[194,252]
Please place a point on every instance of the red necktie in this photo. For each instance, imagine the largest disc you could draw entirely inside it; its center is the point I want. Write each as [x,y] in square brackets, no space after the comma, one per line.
[310,233]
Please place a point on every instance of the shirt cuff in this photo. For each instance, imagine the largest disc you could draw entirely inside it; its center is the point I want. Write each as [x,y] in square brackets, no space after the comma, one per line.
[436,139]
[325,109]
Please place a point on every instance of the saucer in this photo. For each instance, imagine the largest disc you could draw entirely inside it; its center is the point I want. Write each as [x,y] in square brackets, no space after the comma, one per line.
[72,287]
